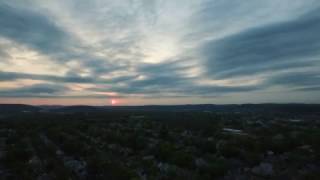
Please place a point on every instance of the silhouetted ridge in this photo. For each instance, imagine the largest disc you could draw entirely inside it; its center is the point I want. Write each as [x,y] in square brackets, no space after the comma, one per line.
[15,108]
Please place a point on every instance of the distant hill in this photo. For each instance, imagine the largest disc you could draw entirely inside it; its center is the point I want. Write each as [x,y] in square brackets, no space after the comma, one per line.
[247,108]
[17,108]
[288,108]
[80,108]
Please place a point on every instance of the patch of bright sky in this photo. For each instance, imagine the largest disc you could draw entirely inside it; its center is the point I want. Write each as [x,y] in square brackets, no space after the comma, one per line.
[26,60]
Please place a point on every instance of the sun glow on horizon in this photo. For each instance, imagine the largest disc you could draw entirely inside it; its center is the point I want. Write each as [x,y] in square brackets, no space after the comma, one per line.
[113,102]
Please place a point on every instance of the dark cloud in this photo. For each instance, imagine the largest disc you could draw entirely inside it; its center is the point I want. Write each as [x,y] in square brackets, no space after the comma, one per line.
[296,80]
[11,76]
[167,78]
[34,91]
[307,89]
[40,32]
[273,47]
[218,90]
[71,78]
[182,90]
[157,78]
[3,54]
[32,29]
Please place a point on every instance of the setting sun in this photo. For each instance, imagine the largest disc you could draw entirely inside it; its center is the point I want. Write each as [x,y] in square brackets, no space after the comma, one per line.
[113,102]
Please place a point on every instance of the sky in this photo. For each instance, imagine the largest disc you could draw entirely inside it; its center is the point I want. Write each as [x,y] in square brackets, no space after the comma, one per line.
[137,52]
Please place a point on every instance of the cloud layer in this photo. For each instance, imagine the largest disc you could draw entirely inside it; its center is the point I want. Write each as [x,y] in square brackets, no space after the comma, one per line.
[180,51]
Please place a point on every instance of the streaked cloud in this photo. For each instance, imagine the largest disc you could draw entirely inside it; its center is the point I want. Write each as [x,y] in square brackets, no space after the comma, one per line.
[274,47]
[207,51]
